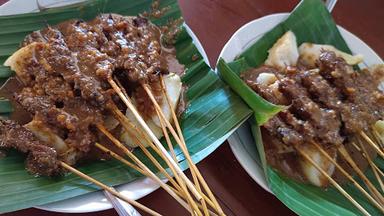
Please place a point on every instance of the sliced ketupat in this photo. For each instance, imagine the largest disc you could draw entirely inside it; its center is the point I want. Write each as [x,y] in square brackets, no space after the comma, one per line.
[131,137]
[173,87]
[66,153]
[310,52]
[312,174]
[18,60]
[266,79]
[46,135]
[284,52]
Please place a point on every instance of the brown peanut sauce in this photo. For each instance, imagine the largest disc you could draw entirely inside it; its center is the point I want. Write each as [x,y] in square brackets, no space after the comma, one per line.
[328,106]
[64,83]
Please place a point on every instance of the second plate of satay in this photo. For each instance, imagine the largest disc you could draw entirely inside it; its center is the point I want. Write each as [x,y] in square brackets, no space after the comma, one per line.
[319,115]
[108,99]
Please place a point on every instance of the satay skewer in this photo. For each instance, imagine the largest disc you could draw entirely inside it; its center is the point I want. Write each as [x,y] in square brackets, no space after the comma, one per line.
[124,122]
[169,143]
[378,138]
[155,140]
[371,143]
[365,154]
[205,198]
[183,148]
[130,128]
[141,171]
[142,166]
[128,125]
[109,189]
[181,186]
[332,181]
[137,130]
[375,193]
[180,133]
[349,177]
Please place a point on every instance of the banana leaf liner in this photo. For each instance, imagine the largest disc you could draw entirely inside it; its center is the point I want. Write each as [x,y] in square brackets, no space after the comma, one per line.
[311,22]
[213,112]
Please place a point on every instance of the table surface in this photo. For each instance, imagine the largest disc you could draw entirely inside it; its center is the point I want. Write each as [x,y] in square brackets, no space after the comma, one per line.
[214,21]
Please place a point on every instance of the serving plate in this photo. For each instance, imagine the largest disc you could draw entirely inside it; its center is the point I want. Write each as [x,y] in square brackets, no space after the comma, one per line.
[95,201]
[241,142]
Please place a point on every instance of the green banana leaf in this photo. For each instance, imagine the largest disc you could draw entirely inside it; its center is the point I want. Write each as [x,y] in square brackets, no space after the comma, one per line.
[213,112]
[265,109]
[311,22]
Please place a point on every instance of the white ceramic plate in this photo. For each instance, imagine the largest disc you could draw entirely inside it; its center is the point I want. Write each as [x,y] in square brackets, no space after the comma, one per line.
[95,201]
[241,142]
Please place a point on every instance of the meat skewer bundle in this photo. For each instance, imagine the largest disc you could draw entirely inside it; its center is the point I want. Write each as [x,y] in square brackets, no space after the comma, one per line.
[77,78]
[331,127]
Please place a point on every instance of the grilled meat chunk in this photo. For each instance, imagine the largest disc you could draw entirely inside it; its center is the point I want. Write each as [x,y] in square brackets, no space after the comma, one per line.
[41,159]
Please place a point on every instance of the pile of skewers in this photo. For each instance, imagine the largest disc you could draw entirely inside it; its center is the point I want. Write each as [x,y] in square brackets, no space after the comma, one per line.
[331,126]
[69,81]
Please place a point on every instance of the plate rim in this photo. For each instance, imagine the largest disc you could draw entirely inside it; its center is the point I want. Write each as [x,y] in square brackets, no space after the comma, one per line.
[152,186]
[105,205]
[234,141]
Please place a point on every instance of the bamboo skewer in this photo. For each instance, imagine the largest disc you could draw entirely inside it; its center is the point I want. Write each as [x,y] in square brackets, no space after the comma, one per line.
[121,116]
[123,160]
[180,133]
[349,177]
[119,158]
[365,156]
[126,123]
[182,189]
[142,166]
[205,198]
[378,170]
[372,166]
[170,146]
[376,194]
[172,150]
[169,143]
[333,182]
[167,139]
[190,162]
[126,162]
[379,139]
[109,189]
[128,126]
[183,148]
[154,138]
[137,130]
[371,143]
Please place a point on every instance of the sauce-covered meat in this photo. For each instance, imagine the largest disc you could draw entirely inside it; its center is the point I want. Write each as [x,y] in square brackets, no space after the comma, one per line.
[327,106]
[41,159]
[64,82]
[87,54]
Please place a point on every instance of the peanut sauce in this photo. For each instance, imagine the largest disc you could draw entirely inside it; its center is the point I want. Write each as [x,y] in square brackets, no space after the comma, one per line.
[328,106]
[63,86]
